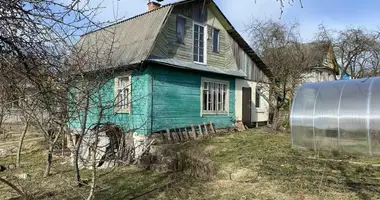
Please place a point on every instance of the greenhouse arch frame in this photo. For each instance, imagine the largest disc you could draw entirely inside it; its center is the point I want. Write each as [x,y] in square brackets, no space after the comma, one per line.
[337,115]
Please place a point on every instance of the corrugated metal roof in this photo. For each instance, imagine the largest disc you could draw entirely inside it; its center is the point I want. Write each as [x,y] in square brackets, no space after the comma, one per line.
[192,66]
[127,42]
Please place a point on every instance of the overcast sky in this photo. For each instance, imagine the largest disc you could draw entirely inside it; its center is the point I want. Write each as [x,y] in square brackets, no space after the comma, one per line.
[335,14]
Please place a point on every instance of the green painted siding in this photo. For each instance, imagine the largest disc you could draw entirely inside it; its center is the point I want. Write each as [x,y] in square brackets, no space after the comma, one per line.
[162,97]
[138,120]
[177,100]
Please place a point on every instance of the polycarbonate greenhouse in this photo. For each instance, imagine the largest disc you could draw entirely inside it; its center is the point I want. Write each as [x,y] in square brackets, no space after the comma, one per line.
[338,115]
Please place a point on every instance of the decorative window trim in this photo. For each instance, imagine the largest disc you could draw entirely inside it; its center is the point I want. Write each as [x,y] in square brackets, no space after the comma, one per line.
[227,102]
[204,43]
[116,108]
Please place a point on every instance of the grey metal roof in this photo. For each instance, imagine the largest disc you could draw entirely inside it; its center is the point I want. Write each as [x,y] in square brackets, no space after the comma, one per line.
[124,43]
[198,67]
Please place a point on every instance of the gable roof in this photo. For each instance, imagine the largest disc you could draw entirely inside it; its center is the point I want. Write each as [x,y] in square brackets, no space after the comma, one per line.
[126,42]
[319,51]
[136,37]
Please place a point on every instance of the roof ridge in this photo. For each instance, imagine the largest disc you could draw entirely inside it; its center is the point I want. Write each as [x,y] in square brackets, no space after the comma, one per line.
[128,19]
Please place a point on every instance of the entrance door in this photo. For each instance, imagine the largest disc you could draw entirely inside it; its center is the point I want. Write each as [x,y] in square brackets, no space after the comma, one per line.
[246,106]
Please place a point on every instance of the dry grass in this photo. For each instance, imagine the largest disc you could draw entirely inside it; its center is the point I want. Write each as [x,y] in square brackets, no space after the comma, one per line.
[249,165]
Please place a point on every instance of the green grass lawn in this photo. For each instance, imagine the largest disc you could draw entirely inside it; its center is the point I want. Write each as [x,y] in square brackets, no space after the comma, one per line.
[248,165]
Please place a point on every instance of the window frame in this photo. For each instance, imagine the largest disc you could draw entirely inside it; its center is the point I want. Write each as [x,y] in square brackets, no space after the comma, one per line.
[218,40]
[258,97]
[116,107]
[184,29]
[227,101]
[204,43]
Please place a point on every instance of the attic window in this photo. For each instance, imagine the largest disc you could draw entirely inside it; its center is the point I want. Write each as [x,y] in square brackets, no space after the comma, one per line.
[215,40]
[180,29]
[199,43]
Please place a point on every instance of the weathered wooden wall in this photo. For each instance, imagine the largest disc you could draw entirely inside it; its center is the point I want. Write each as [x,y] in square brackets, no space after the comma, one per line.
[230,56]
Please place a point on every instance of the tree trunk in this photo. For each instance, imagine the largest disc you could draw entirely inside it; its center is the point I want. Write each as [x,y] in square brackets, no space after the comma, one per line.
[79,142]
[52,141]
[276,120]
[21,141]
[93,182]
[49,160]
[76,159]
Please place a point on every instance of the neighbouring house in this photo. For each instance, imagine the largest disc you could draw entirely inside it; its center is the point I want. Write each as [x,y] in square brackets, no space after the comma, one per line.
[173,66]
[324,66]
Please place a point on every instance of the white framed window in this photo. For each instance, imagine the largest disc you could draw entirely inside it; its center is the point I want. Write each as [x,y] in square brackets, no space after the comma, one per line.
[214,96]
[123,94]
[199,44]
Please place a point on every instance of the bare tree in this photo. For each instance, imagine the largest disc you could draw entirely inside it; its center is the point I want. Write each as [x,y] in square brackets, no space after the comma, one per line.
[282,50]
[357,50]
[34,38]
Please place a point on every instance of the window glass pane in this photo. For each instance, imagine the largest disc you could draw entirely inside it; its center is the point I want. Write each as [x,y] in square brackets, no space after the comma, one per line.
[201,29]
[195,52]
[201,52]
[257,99]
[204,100]
[211,98]
[195,58]
[200,58]
[180,29]
[215,41]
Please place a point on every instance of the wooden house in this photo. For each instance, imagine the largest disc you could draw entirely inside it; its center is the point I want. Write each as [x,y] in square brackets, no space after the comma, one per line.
[324,66]
[176,65]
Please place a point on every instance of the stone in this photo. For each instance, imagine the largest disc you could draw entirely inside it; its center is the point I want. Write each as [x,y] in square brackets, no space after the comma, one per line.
[11,166]
[140,142]
[23,176]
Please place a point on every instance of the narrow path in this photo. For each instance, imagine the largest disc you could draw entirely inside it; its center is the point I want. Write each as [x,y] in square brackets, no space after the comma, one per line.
[5,144]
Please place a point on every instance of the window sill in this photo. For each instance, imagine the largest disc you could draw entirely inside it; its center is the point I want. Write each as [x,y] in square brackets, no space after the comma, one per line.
[214,113]
[259,110]
[199,63]
[122,111]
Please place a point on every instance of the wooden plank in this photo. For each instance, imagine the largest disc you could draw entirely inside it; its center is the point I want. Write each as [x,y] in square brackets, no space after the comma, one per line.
[163,136]
[205,126]
[179,133]
[200,130]
[183,134]
[187,133]
[175,135]
[193,132]
[212,128]
[169,136]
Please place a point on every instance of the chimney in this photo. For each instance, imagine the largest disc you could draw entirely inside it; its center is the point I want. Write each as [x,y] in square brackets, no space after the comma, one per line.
[153,5]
